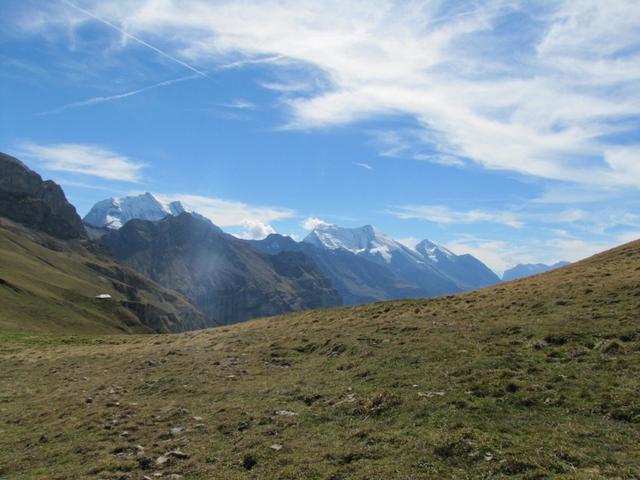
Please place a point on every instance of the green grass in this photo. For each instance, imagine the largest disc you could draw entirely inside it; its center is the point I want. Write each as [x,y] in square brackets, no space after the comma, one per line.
[538,378]
[52,290]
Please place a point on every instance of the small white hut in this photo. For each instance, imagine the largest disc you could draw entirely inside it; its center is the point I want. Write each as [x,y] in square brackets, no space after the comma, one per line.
[103,297]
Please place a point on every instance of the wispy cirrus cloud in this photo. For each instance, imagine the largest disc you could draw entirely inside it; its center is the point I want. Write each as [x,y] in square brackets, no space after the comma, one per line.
[239,104]
[445,215]
[83,159]
[366,166]
[543,104]
[128,35]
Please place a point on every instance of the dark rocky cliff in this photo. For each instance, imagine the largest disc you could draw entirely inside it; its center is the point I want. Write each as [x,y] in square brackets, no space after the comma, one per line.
[27,199]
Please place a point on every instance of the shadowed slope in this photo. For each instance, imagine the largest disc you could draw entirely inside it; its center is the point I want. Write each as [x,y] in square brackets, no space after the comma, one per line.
[49,286]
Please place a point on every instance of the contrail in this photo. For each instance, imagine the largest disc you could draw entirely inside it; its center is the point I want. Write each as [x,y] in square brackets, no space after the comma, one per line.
[133,37]
[241,63]
[94,100]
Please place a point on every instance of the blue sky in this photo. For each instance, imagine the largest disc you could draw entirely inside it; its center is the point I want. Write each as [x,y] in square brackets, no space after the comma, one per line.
[506,129]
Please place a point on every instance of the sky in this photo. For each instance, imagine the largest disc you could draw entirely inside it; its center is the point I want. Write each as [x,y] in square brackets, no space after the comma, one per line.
[506,129]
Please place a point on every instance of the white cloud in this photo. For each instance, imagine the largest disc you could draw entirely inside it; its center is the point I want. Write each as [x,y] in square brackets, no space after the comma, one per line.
[447,160]
[256,230]
[239,104]
[232,213]
[446,215]
[313,222]
[542,108]
[498,255]
[83,159]
[629,236]
[366,166]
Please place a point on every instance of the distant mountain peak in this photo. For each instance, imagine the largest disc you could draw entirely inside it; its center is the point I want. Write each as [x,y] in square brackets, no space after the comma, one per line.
[433,251]
[114,212]
[356,240]
[527,269]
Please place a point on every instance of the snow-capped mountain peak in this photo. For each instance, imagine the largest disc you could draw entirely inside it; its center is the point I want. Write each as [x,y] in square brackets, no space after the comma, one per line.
[116,211]
[432,251]
[359,240]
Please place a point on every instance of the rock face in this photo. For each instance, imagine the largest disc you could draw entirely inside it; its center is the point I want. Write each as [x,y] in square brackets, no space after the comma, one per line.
[527,269]
[226,278]
[26,199]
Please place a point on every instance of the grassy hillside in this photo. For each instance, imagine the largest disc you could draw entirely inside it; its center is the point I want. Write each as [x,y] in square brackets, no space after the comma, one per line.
[49,286]
[538,378]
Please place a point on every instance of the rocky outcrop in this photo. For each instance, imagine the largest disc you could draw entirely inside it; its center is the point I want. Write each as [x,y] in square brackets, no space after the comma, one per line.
[26,199]
[226,278]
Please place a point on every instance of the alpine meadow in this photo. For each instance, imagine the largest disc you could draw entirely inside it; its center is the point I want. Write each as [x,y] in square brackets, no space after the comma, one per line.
[319,240]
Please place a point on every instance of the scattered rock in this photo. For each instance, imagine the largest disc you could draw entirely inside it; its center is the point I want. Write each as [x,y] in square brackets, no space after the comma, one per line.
[430,394]
[285,413]
[162,460]
[178,454]
[276,447]
[88,400]
[178,430]
[201,427]
[154,363]
[488,456]
[350,398]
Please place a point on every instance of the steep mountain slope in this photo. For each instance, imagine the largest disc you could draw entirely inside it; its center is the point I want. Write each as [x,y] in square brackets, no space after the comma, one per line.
[115,212]
[50,273]
[357,279]
[48,285]
[536,378]
[225,277]
[27,199]
[466,270]
[528,269]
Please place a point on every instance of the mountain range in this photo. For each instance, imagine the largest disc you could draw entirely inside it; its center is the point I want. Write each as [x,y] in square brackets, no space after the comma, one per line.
[365,265]
[225,277]
[218,278]
[362,264]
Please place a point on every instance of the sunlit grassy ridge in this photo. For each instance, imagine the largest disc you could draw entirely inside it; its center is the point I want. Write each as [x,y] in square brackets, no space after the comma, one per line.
[538,378]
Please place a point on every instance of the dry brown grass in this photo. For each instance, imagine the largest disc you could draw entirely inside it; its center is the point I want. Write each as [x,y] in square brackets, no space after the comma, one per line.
[537,378]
